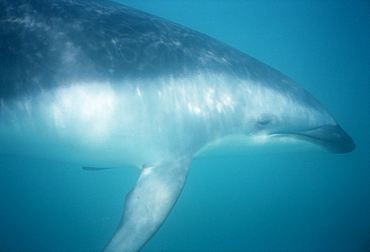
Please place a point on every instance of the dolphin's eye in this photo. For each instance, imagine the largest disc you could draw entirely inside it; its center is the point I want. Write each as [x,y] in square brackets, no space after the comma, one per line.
[264,119]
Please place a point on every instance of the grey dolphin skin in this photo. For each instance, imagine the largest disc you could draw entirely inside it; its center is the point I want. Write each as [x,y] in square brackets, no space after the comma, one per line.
[99,84]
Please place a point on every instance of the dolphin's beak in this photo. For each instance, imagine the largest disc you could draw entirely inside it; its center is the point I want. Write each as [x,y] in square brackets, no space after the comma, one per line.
[332,138]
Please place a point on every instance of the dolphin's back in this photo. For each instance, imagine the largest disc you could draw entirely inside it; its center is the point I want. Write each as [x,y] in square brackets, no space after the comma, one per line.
[54,43]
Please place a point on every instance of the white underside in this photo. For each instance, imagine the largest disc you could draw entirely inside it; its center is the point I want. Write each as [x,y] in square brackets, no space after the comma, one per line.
[103,124]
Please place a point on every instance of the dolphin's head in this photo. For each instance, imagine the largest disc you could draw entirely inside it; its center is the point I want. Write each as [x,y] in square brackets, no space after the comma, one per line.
[329,136]
[287,112]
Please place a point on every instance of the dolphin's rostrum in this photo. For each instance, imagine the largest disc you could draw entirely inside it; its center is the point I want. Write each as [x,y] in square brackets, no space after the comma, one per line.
[104,85]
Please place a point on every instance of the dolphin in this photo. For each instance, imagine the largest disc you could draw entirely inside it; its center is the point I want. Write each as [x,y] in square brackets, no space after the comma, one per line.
[103,85]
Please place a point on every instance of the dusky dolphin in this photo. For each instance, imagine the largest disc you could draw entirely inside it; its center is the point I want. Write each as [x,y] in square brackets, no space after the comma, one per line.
[104,85]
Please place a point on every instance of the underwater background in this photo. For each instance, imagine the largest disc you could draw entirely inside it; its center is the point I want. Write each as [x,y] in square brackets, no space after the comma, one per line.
[260,202]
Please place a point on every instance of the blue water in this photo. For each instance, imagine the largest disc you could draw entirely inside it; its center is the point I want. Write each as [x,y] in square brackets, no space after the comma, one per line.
[274,202]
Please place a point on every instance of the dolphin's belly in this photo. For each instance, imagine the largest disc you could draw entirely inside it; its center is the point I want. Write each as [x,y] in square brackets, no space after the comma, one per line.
[86,124]
[105,124]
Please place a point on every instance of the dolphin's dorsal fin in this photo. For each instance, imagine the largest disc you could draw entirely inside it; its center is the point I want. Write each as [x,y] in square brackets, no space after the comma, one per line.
[148,204]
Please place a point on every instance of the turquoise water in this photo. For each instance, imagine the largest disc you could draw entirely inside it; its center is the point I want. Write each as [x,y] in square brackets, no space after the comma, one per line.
[270,202]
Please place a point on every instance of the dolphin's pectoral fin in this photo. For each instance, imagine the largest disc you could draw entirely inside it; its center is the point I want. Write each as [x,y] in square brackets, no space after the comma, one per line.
[148,204]
[90,168]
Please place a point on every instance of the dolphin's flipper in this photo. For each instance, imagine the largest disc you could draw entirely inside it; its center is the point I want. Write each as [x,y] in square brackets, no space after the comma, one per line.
[148,204]
[90,168]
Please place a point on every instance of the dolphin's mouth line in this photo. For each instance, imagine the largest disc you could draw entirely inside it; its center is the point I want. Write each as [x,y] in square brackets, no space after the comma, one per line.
[332,138]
